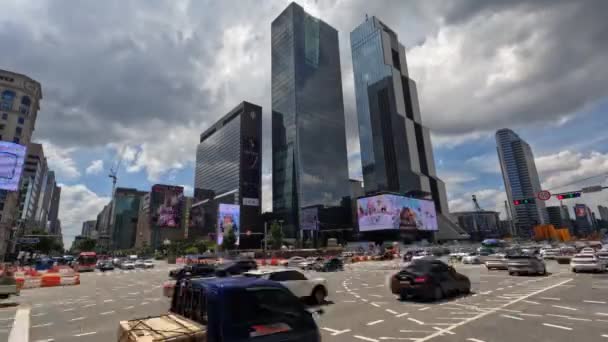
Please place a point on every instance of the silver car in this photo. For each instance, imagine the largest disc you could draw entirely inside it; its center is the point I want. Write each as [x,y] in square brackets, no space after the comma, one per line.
[525,264]
[496,262]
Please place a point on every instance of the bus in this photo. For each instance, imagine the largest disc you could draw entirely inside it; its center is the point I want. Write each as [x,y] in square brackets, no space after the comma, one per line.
[86,261]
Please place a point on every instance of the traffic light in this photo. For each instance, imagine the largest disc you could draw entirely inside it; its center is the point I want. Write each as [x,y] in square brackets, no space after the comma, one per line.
[567,195]
[523,201]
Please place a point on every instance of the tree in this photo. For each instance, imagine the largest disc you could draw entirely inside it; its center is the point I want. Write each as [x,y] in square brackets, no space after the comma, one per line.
[191,250]
[276,235]
[229,242]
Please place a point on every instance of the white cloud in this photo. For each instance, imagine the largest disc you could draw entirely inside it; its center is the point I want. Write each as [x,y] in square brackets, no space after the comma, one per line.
[78,204]
[95,167]
[486,163]
[188,190]
[60,160]
[567,170]
[488,199]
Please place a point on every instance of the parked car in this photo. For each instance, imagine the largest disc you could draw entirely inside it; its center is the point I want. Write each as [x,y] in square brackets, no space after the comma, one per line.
[244,309]
[603,256]
[472,258]
[587,250]
[333,264]
[235,267]
[139,263]
[296,282]
[310,262]
[421,255]
[127,265]
[429,279]
[106,266]
[293,261]
[194,270]
[149,263]
[525,264]
[550,253]
[587,262]
[116,261]
[496,262]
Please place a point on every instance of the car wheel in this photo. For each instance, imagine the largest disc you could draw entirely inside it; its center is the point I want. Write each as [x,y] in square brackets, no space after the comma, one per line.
[437,293]
[402,296]
[543,272]
[511,273]
[574,270]
[466,290]
[319,294]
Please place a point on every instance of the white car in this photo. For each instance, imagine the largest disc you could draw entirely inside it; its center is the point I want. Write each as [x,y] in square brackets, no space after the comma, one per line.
[603,256]
[293,261]
[295,281]
[471,259]
[127,265]
[139,264]
[149,264]
[587,250]
[550,253]
[587,262]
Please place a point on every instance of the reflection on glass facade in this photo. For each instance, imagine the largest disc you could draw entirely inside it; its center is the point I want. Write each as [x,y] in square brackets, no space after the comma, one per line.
[124,221]
[310,165]
[521,181]
[396,150]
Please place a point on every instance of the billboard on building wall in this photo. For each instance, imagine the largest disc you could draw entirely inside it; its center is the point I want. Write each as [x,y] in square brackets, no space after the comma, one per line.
[167,203]
[396,212]
[228,218]
[309,218]
[11,165]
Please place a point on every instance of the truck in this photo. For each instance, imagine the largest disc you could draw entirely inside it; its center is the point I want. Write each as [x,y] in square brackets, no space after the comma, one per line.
[233,309]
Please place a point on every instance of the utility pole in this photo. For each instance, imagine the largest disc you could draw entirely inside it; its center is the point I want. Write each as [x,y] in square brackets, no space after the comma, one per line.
[265,238]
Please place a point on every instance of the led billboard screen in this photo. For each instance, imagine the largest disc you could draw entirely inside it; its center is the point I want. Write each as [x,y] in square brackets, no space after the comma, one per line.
[228,218]
[167,203]
[396,212]
[309,218]
[11,165]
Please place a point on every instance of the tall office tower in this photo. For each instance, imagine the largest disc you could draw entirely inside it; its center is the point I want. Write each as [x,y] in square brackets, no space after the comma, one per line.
[229,170]
[559,217]
[310,167]
[585,221]
[521,181]
[123,220]
[53,217]
[19,104]
[396,150]
[603,212]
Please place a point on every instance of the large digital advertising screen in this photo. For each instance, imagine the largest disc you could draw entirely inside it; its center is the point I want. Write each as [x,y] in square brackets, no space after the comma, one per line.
[167,203]
[309,218]
[396,212]
[11,165]
[228,218]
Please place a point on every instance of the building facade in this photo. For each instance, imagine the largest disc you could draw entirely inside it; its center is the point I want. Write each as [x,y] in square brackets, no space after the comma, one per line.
[19,104]
[310,167]
[396,150]
[480,225]
[603,211]
[54,224]
[34,170]
[166,214]
[559,217]
[584,220]
[123,222]
[143,233]
[229,169]
[88,229]
[521,181]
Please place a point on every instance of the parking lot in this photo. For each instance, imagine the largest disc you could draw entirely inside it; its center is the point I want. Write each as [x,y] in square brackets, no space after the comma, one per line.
[559,307]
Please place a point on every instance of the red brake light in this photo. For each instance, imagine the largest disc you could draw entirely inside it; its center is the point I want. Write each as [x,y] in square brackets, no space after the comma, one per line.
[420,279]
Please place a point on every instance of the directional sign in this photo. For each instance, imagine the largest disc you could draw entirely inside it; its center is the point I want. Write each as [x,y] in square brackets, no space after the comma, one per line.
[595,188]
[28,241]
[544,195]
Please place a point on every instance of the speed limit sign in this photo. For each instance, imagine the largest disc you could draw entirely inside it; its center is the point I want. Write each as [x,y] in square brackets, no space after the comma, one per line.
[544,195]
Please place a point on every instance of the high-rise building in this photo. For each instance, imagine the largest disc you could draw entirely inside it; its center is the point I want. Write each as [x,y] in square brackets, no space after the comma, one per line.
[585,222]
[123,221]
[603,211]
[19,104]
[310,167]
[559,217]
[88,229]
[143,233]
[396,150]
[521,181]
[33,173]
[480,225]
[53,217]
[166,214]
[229,169]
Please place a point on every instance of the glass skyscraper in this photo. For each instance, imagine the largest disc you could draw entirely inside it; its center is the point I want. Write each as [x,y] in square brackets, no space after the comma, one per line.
[521,181]
[396,150]
[310,167]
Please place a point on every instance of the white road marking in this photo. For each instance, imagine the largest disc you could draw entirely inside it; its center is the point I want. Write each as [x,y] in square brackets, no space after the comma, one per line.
[564,307]
[42,325]
[46,340]
[530,315]
[129,307]
[415,331]
[375,322]
[21,325]
[604,335]
[557,326]
[512,317]
[339,291]
[561,316]
[86,334]
[402,314]
[366,338]
[89,305]
[485,313]
[38,314]
[335,332]
[579,319]
[448,332]
[415,321]
[601,313]
[77,319]
[475,340]
[424,308]
[363,299]
[144,303]
[375,295]
[349,301]
[107,312]
[500,289]
[391,311]
[531,302]
[70,309]
[376,305]
[108,300]
[549,298]
[594,302]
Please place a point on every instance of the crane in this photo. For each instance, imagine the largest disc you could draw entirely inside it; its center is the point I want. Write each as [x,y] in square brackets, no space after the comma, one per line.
[115,167]
[476,204]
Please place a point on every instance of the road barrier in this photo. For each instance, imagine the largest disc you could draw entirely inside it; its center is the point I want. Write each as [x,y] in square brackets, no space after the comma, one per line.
[53,277]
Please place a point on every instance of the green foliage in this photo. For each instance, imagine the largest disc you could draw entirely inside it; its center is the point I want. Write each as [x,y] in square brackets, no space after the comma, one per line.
[191,250]
[276,235]
[229,242]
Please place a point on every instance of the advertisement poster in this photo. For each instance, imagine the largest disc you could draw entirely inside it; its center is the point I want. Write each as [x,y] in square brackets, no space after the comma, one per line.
[167,206]
[228,218]
[309,218]
[11,165]
[396,212]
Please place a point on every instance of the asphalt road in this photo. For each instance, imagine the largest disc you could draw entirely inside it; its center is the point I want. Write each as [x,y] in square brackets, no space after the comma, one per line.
[560,307]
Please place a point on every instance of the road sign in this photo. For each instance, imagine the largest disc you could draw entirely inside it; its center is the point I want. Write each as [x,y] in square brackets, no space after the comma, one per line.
[544,195]
[28,241]
[595,188]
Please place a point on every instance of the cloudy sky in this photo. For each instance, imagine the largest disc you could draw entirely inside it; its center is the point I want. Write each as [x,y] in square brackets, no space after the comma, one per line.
[146,77]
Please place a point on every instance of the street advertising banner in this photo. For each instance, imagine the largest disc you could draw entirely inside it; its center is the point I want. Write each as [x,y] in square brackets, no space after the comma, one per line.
[228,218]
[11,165]
[389,211]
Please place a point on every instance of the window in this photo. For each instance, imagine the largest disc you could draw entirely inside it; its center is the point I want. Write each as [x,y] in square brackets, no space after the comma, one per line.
[294,275]
[7,99]
[21,120]
[4,116]
[16,140]
[18,131]
[2,126]
[25,105]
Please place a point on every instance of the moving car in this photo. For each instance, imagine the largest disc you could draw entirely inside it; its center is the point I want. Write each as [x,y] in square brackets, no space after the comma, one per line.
[296,282]
[244,309]
[430,280]
[149,263]
[235,267]
[550,253]
[496,262]
[525,264]
[195,270]
[293,261]
[310,263]
[86,261]
[139,263]
[127,265]
[8,285]
[587,250]
[603,256]
[106,266]
[333,264]
[472,258]
[587,262]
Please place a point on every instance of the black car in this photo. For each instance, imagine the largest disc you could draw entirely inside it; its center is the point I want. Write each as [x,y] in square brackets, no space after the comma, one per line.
[333,264]
[430,280]
[196,270]
[106,266]
[235,267]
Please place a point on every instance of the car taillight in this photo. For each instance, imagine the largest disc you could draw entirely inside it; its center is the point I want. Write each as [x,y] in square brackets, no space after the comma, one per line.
[420,279]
